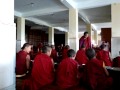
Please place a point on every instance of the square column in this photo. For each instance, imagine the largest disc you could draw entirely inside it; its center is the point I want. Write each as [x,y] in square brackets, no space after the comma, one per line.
[73,29]
[51,36]
[7,46]
[96,37]
[20,32]
[66,38]
[89,30]
[115,40]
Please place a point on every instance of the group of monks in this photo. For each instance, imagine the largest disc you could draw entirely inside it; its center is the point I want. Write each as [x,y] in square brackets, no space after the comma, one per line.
[84,70]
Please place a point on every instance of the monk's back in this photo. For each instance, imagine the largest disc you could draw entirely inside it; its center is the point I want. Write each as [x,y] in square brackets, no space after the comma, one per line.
[81,57]
[96,77]
[21,62]
[104,56]
[42,72]
[67,73]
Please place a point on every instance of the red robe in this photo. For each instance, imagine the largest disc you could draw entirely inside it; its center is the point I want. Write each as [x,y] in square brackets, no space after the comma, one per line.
[81,57]
[21,67]
[95,75]
[104,56]
[54,55]
[86,42]
[64,53]
[67,73]
[42,73]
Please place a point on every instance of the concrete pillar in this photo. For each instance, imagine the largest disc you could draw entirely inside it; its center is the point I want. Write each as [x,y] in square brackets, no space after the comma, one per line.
[96,37]
[115,40]
[51,36]
[7,46]
[73,29]
[89,30]
[20,32]
[66,38]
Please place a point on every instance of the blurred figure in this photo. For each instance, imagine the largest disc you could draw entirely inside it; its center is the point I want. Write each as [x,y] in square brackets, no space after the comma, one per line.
[54,53]
[104,56]
[116,61]
[65,50]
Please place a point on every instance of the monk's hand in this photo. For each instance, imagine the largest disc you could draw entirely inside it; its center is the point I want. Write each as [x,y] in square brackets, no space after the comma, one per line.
[103,64]
[106,71]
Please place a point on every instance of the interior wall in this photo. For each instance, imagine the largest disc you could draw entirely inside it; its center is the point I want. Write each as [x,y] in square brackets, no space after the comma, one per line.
[37,36]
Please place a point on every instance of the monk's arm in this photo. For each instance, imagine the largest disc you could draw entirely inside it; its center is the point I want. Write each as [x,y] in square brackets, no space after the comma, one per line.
[28,62]
[106,71]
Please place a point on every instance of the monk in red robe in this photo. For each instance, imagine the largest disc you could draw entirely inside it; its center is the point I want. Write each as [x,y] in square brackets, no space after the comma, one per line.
[65,50]
[23,60]
[85,40]
[53,53]
[96,74]
[104,56]
[81,57]
[42,71]
[67,71]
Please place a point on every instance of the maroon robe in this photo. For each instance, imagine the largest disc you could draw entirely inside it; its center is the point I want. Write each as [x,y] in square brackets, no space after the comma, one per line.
[42,73]
[67,73]
[95,75]
[104,56]
[86,42]
[21,67]
[81,57]
[54,55]
[64,53]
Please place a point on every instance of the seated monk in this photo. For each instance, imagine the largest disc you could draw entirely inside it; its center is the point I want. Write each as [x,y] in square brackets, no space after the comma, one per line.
[53,53]
[104,56]
[67,71]
[23,60]
[81,57]
[96,75]
[42,71]
[64,52]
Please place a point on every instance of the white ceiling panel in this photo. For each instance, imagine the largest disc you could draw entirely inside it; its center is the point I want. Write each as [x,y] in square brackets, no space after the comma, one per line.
[30,5]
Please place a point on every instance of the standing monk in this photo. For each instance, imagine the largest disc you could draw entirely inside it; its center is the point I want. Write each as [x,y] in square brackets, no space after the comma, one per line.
[23,60]
[85,40]
[67,71]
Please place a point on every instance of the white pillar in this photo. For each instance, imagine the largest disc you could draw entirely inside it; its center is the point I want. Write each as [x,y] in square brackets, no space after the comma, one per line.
[96,36]
[51,36]
[89,30]
[7,46]
[115,40]
[73,29]
[66,38]
[20,32]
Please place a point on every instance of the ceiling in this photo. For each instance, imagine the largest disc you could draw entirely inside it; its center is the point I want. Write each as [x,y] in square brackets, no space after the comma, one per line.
[55,13]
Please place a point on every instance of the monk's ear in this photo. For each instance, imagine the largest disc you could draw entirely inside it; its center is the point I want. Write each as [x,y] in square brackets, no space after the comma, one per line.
[74,56]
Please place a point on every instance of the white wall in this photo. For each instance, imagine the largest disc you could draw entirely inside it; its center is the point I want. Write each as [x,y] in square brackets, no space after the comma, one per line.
[7,45]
